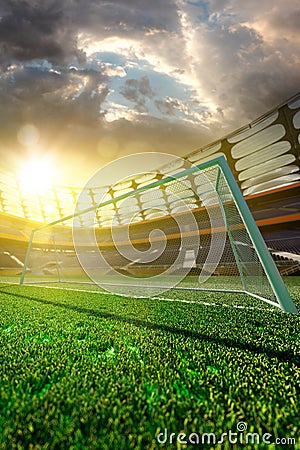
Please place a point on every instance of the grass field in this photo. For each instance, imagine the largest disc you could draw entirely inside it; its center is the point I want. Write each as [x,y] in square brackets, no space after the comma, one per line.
[89,370]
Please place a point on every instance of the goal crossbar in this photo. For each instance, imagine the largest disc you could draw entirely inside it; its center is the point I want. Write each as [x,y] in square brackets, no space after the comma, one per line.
[224,180]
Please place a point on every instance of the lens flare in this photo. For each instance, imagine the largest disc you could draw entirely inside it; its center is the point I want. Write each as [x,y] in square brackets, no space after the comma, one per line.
[28,135]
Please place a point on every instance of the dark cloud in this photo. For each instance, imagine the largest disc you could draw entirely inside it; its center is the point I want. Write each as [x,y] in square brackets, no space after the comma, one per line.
[35,30]
[270,86]
[57,101]
[123,17]
[247,62]
[288,21]
[165,107]
[156,135]
[168,106]
[138,92]
[30,29]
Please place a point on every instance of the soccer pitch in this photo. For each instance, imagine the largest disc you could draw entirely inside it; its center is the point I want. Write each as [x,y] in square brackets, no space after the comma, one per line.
[85,369]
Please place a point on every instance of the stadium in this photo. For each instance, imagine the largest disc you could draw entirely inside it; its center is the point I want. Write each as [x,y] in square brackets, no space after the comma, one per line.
[271,189]
[86,367]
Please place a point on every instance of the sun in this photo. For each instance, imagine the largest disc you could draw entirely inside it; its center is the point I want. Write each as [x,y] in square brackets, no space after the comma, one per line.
[37,175]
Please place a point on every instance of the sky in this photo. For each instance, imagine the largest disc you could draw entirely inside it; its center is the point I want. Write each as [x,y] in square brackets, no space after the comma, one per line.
[83,82]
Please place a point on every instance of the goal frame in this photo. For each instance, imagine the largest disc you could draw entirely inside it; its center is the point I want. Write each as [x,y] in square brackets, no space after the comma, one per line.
[275,280]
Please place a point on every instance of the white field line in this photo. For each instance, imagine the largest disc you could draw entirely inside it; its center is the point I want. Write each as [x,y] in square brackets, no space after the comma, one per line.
[166,299]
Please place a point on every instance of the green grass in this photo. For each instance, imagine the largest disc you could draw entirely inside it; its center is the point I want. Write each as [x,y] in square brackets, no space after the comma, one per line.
[83,370]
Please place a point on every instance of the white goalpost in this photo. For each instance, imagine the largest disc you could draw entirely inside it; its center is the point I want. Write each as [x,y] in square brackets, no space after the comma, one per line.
[189,231]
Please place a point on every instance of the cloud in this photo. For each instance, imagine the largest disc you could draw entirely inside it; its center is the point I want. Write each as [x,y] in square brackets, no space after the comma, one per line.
[167,106]
[174,74]
[31,30]
[114,71]
[239,59]
[138,92]
[123,18]
[191,111]
[44,91]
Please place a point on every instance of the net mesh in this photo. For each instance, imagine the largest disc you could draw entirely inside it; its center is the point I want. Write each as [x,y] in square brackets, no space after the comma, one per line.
[183,232]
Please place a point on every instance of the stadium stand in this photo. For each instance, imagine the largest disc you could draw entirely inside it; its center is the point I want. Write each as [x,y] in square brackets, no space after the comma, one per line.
[263,156]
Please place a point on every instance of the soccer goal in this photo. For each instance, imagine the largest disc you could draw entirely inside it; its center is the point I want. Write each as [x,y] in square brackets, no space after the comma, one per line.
[191,230]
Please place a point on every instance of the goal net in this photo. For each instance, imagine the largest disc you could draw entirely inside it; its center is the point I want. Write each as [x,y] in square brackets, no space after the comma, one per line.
[188,231]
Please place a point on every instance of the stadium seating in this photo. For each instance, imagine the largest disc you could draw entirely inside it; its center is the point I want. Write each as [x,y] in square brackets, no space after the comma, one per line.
[263,156]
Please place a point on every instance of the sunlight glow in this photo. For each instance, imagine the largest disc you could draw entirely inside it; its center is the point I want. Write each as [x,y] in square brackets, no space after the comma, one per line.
[37,175]
[28,135]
